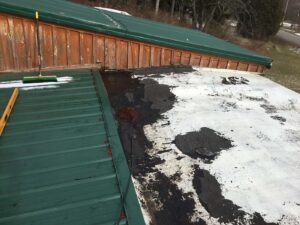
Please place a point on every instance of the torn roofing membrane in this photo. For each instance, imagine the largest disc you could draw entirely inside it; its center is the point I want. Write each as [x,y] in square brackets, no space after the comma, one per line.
[84,17]
[61,160]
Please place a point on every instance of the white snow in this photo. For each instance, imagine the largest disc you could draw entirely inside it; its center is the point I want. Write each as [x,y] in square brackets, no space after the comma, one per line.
[233,23]
[298,34]
[31,86]
[261,173]
[295,50]
[113,10]
[286,24]
[138,187]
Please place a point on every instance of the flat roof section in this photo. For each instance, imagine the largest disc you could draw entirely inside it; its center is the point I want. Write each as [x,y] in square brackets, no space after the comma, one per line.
[56,166]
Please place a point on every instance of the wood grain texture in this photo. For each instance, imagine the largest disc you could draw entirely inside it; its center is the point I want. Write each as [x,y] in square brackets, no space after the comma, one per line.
[64,47]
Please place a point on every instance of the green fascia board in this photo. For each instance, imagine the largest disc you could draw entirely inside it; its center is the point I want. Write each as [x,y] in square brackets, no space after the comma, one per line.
[87,18]
[131,204]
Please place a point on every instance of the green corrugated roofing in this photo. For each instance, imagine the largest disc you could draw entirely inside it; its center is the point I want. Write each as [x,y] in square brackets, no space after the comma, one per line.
[84,17]
[54,164]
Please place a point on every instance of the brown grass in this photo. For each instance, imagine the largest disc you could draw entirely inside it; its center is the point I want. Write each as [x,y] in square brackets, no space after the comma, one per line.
[286,65]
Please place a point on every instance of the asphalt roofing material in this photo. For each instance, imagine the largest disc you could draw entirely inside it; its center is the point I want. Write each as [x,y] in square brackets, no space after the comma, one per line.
[84,17]
[61,160]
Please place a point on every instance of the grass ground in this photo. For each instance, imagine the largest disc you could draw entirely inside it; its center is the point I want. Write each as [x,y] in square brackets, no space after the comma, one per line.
[286,65]
[286,58]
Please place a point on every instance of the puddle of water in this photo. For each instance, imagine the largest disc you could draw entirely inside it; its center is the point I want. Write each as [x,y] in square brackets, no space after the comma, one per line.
[281,119]
[137,103]
[205,144]
[269,108]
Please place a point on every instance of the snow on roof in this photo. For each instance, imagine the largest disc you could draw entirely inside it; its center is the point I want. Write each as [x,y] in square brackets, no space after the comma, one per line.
[260,172]
[114,10]
[31,86]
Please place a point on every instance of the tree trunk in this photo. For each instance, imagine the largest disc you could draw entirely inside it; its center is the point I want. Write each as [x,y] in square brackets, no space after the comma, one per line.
[172,7]
[144,5]
[157,7]
[195,15]
[286,8]
[181,7]
[207,22]
[106,3]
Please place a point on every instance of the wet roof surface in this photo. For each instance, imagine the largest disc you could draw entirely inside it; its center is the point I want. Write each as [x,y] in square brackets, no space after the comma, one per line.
[55,167]
[219,153]
[84,17]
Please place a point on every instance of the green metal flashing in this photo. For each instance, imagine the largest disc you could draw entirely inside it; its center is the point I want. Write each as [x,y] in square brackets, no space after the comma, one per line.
[87,18]
[55,167]
[132,207]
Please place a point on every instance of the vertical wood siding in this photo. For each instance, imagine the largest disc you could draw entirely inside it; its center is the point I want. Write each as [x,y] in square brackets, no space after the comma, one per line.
[64,47]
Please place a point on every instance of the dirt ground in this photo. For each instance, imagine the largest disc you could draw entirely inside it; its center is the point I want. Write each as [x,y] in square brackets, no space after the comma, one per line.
[137,103]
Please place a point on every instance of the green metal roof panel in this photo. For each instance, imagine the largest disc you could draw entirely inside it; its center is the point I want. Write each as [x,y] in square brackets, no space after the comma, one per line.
[184,38]
[84,17]
[54,164]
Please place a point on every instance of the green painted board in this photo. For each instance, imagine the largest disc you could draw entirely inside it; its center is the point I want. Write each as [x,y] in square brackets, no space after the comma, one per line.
[87,18]
[54,164]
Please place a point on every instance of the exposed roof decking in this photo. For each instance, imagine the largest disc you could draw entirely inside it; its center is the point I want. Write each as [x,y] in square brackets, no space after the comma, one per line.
[54,164]
[87,18]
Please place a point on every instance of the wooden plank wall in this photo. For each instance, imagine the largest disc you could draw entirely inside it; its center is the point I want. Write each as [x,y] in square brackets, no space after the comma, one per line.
[64,47]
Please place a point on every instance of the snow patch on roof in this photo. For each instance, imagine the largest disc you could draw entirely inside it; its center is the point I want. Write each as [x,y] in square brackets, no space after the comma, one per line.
[32,86]
[261,173]
[113,10]
[141,199]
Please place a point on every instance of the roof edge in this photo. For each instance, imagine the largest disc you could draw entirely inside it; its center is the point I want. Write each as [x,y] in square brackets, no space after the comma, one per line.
[132,207]
[121,32]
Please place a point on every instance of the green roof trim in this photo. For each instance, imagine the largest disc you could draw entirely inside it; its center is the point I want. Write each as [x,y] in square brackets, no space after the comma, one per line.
[125,183]
[87,18]
[55,167]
